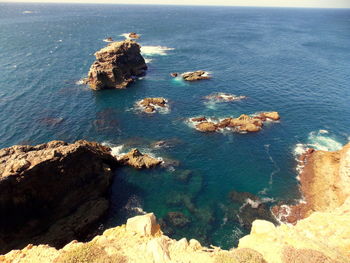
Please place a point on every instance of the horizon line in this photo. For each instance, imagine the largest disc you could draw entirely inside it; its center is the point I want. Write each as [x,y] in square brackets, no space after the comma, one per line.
[166,4]
[180,5]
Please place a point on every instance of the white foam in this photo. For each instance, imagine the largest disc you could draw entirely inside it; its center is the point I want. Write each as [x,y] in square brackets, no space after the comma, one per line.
[148,60]
[80,82]
[321,141]
[223,97]
[107,40]
[162,110]
[155,50]
[27,12]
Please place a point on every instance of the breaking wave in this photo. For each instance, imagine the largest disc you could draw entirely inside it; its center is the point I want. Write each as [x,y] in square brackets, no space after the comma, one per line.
[155,50]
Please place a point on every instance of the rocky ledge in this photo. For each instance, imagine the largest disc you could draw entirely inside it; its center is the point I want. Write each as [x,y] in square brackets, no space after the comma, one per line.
[52,193]
[139,160]
[116,66]
[324,184]
[242,124]
[152,105]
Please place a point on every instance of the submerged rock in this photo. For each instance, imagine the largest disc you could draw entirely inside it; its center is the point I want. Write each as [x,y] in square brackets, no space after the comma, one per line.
[176,219]
[138,160]
[116,66]
[108,39]
[151,105]
[174,74]
[195,75]
[223,97]
[52,193]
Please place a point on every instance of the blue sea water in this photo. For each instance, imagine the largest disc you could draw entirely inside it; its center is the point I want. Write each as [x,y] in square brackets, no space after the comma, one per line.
[294,61]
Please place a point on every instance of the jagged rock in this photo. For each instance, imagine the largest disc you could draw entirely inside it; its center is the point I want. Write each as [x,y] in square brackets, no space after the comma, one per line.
[134,35]
[138,160]
[150,105]
[174,74]
[144,225]
[199,119]
[108,39]
[52,193]
[158,247]
[270,115]
[195,75]
[116,66]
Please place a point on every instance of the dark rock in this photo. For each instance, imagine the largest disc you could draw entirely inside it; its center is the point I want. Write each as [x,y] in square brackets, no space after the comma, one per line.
[52,193]
[177,219]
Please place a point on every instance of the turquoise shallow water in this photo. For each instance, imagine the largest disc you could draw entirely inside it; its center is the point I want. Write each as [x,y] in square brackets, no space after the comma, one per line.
[294,61]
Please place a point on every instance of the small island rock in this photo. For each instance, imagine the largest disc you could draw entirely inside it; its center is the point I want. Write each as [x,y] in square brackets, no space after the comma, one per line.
[195,75]
[116,66]
[138,160]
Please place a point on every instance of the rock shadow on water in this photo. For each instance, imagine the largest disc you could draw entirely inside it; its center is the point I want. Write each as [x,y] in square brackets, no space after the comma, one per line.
[106,121]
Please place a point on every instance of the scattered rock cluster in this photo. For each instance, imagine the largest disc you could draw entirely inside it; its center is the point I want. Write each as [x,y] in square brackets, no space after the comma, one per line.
[116,66]
[243,123]
[195,75]
[151,105]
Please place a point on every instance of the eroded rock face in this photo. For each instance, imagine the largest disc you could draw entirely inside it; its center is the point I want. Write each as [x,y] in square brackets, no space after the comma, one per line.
[139,160]
[195,75]
[324,183]
[116,66]
[52,193]
[151,105]
[242,124]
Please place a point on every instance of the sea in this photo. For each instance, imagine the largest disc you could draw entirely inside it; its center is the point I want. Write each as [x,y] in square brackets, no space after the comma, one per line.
[291,60]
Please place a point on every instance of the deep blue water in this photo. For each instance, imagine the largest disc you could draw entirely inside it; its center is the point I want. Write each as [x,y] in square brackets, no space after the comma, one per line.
[294,61]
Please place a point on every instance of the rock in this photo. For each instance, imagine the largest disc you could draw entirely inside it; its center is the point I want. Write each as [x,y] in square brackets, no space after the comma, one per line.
[138,160]
[177,219]
[174,75]
[151,105]
[270,115]
[43,192]
[144,225]
[324,184]
[241,197]
[116,66]
[159,249]
[134,35]
[195,75]
[206,127]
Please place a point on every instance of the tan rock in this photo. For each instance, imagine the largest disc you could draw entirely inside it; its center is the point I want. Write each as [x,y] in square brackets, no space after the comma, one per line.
[271,115]
[150,105]
[206,127]
[158,247]
[195,75]
[134,35]
[144,225]
[138,160]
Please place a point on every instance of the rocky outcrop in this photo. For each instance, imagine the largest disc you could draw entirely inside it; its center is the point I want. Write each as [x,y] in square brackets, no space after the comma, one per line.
[116,66]
[195,75]
[242,124]
[151,105]
[52,193]
[324,184]
[108,39]
[323,237]
[139,160]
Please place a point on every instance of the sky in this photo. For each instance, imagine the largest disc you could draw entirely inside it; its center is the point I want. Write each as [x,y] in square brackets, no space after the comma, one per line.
[281,3]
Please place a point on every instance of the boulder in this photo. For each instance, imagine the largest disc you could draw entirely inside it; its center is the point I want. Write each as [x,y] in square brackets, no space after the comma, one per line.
[195,75]
[138,160]
[206,127]
[174,74]
[151,105]
[52,193]
[116,66]
[144,225]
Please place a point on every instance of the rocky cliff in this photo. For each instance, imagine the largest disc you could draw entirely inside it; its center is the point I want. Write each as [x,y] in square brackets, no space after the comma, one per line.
[324,183]
[52,193]
[116,65]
